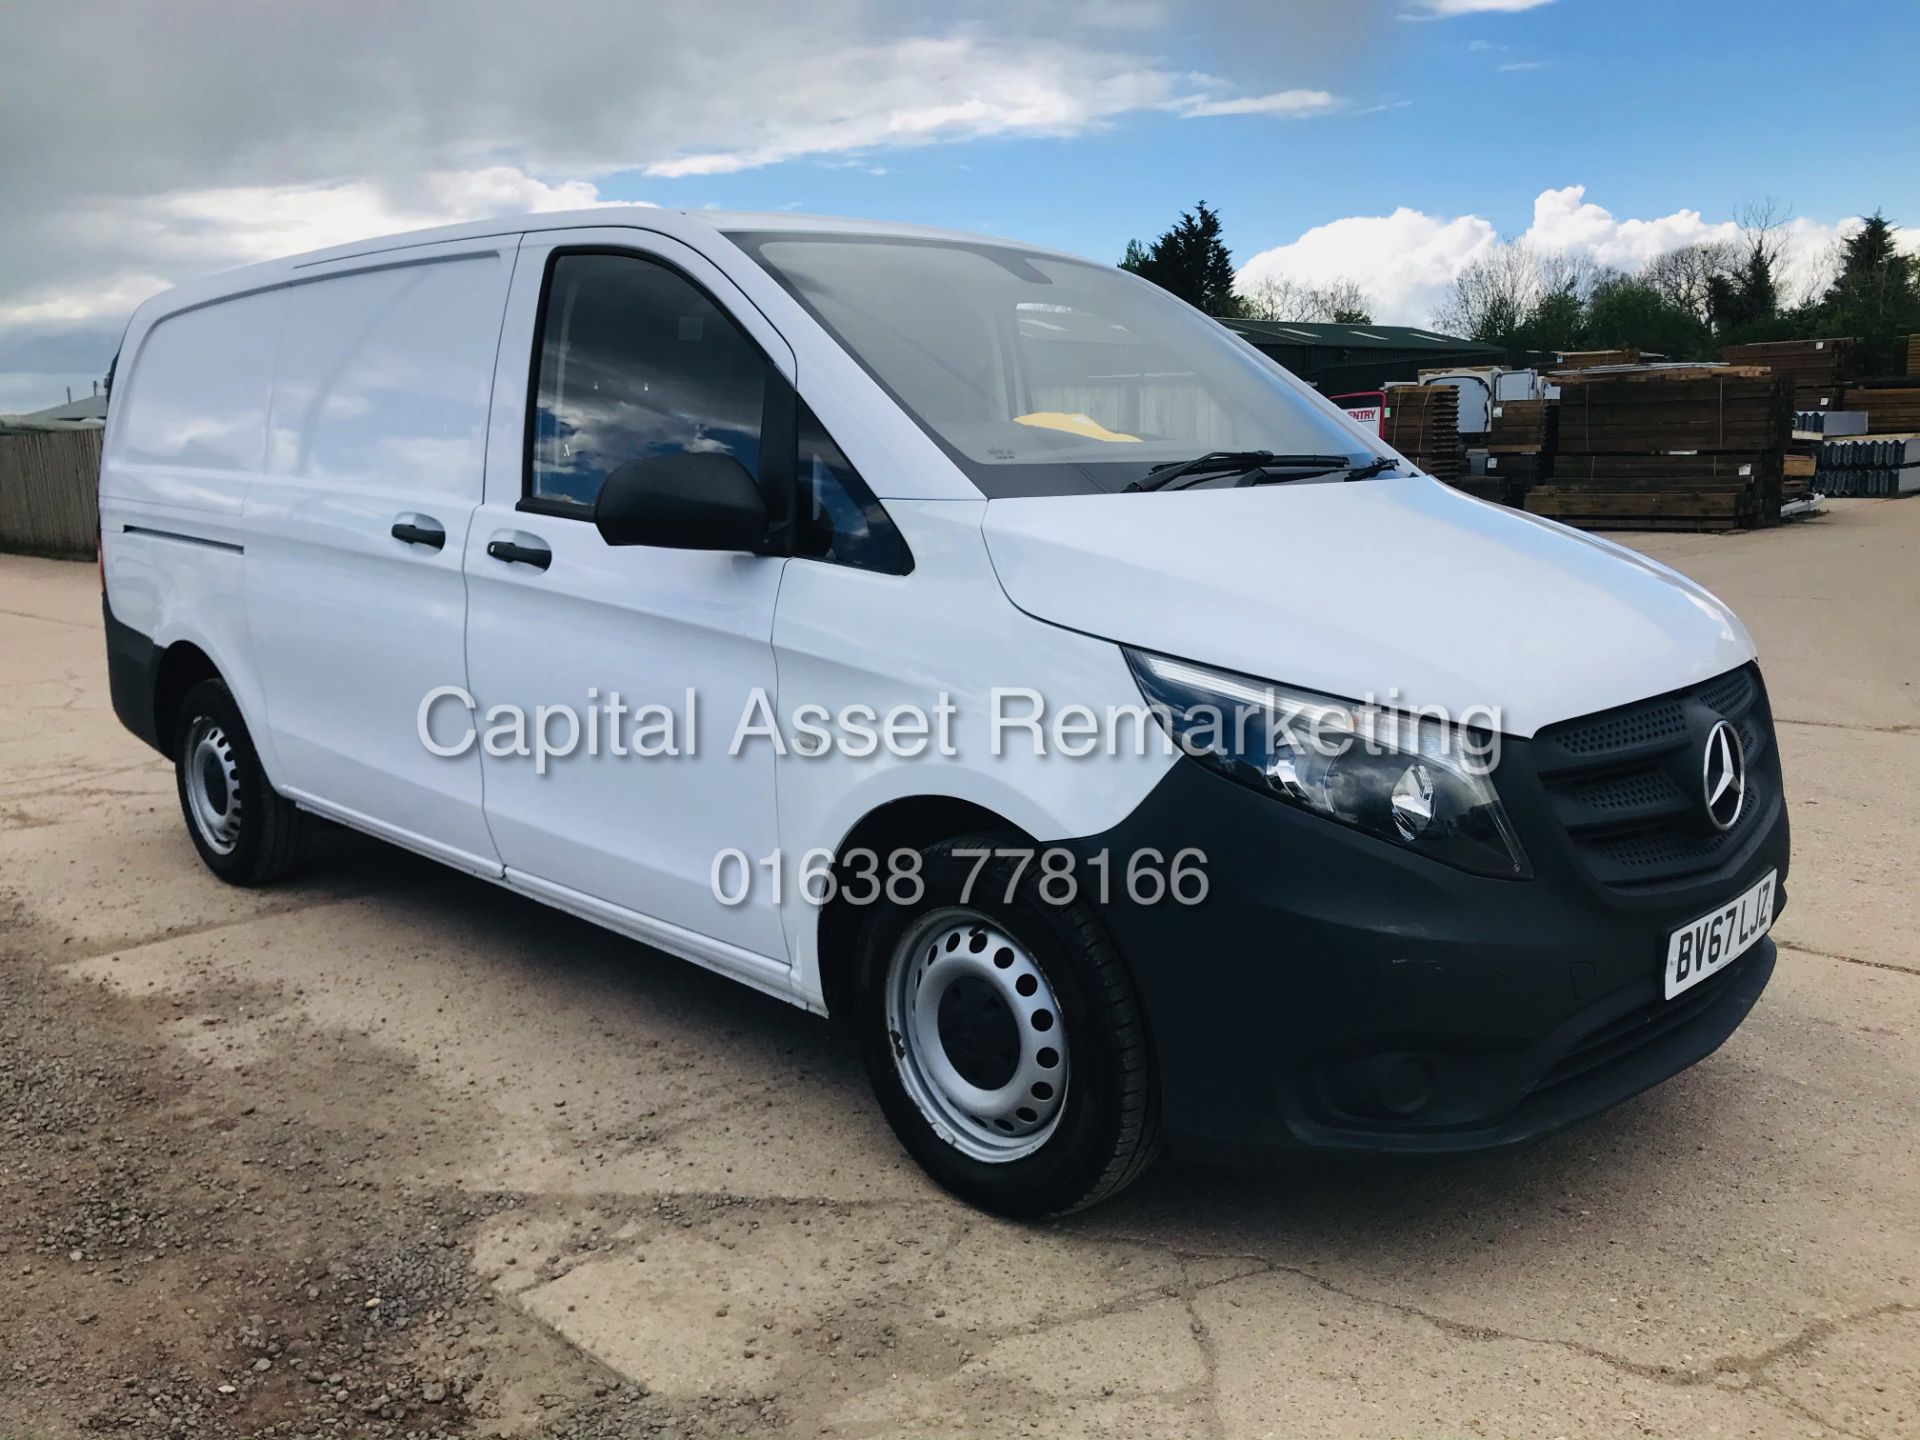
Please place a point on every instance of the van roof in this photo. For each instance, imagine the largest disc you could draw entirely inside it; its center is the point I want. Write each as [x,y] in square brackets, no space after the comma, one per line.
[679,224]
[648,217]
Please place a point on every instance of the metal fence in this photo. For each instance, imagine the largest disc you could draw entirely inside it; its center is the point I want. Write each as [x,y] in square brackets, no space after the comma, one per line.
[49,492]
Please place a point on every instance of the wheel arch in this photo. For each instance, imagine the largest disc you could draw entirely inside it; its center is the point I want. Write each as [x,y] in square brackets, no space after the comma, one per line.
[910,822]
[182,666]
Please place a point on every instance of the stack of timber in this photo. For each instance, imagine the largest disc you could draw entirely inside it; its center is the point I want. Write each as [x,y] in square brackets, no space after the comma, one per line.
[1521,427]
[1798,468]
[1875,466]
[1818,369]
[1519,452]
[1893,408]
[1913,355]
[1674,448]
[1587,359]
[1423,423]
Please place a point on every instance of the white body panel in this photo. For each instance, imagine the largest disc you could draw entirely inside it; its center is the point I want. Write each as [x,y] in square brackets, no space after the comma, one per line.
[1399,589]
[943,633]
[379,416]
[174,474]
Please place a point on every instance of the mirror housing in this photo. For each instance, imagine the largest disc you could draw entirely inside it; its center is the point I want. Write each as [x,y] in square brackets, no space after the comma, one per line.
[692,500]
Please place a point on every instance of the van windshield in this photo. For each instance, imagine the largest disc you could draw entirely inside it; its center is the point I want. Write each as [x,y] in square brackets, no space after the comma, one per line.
[1042,375]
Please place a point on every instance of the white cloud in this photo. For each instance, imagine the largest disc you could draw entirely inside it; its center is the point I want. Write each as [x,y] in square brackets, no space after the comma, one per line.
[1448,9]
[1514,67]
[156,239]
[1406,261]
[209,136]
[1296,104]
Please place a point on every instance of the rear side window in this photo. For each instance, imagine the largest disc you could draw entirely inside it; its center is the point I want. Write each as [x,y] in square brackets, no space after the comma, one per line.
[385,376]
[636,361]
[198,392]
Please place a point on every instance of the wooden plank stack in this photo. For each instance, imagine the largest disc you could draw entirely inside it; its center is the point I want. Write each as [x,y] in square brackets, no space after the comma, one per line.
[1587,359]
[1797,469]
[1891,409]
[1818,369]
[1913,355]
[1522,427]
[1689,448]
[1423,423]
[1519,445]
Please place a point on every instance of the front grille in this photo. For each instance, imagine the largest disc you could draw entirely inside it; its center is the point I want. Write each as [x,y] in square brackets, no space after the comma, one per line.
[1625,784]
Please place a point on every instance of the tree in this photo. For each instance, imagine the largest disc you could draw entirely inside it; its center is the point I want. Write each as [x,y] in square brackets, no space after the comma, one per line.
[1633,311]
[1191,261]
[1875,297]
[1345,302]
[1555,321]
[1276,297]
[1491,296]
[1135,259]
[1682,278]
[1744,302]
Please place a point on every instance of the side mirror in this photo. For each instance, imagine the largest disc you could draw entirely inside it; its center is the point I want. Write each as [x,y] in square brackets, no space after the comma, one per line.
[692,500]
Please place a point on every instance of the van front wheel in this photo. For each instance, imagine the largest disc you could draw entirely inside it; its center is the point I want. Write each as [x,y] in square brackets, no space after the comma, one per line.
[1003,1036]
[245,832]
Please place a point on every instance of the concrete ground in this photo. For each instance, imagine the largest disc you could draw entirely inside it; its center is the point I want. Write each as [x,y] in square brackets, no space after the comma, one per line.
[386,1150]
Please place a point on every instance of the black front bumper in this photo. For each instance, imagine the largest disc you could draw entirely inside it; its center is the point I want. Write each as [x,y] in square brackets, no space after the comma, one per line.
[1334,991]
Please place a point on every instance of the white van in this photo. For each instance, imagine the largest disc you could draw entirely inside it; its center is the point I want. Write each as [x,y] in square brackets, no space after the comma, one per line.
[921,628]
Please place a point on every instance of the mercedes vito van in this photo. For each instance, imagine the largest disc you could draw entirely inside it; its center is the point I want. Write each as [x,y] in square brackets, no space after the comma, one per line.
[966,640]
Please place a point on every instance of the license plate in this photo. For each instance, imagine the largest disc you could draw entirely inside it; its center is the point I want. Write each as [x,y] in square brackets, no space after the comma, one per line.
[1712,942]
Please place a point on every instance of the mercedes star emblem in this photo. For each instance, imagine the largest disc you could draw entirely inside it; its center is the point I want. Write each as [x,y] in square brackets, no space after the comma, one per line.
[1724,776]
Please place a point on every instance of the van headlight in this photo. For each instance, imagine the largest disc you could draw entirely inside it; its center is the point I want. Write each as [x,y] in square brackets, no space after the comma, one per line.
[1410,780]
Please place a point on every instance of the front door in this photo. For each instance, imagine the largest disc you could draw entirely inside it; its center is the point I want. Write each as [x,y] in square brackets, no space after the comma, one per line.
[628,346]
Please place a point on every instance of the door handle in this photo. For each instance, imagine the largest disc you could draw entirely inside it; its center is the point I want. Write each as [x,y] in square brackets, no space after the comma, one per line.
[419,530]
[513,552]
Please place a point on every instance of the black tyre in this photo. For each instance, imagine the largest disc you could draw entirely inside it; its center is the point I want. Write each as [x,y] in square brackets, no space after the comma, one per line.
[246,833]
[1004,1038]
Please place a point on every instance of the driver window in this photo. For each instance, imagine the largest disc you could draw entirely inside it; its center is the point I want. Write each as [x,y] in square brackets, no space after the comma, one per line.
[636,361]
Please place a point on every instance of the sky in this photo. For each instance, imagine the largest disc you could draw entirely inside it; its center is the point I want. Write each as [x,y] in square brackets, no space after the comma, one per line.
[1386,141]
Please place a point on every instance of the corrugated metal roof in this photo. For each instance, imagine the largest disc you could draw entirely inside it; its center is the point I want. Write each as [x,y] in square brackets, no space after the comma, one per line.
[87,407]
[1358,337]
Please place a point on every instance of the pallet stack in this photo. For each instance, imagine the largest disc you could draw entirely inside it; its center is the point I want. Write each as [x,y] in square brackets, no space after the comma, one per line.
[1423,423]
[1520,445]
[1892,408]
[1877,467]
[1818,369]
[1677,448]
[1797,469]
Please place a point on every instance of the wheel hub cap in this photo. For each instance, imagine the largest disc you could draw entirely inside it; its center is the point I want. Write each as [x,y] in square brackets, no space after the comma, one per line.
[976,1035]
[213,786]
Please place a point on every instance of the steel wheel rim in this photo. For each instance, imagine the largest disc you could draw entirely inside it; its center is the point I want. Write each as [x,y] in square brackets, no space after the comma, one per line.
[213,786]
[944,977]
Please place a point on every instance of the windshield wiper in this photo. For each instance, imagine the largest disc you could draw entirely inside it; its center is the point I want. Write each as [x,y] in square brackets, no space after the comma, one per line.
[1374,467]
[1237,462]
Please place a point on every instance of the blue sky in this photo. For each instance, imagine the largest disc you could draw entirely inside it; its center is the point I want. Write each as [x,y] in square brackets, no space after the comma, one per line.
[1387,142]
[1653,105]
